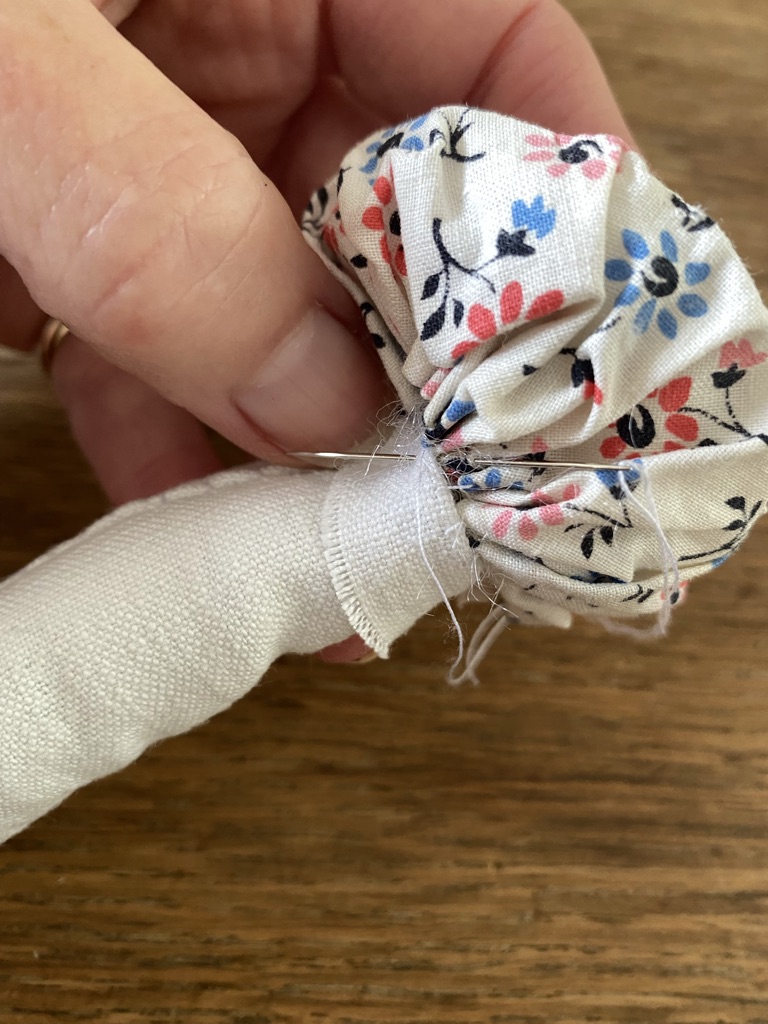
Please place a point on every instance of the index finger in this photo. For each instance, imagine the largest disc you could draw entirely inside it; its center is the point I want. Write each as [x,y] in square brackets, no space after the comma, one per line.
[527,58]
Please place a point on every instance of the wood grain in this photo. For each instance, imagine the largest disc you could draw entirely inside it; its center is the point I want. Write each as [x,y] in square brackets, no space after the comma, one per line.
[584,837]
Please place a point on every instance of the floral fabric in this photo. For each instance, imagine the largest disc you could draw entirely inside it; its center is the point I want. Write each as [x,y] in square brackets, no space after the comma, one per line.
[543,297]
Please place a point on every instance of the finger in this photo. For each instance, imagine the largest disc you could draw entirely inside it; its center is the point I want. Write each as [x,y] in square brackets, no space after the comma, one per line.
[354,649]
[136,441]
[523,57]
[321,77]
[146,228]
[21,320]
[116,11]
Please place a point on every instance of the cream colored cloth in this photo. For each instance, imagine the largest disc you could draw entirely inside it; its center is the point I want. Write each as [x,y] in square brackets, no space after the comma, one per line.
[540,296]
[168,610]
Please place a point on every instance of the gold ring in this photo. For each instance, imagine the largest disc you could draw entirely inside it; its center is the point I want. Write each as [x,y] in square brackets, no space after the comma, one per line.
[52,335]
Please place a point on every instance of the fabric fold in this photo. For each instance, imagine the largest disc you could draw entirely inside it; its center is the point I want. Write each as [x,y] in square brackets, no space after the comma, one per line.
[394,545]
[167,611]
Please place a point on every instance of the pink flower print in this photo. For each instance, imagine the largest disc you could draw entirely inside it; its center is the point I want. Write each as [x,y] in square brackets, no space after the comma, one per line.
[501,523]
[563,152]
[429,390]
[484,324]
[526,527]
[547,507]
[330,236]
[453,441]
[541,497]
[548,511]
[378,218]
[740,354]
[612,447]
[673,399]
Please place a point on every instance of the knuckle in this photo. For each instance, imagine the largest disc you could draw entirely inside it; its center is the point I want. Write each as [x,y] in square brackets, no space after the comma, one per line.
[116,11]
[160,246]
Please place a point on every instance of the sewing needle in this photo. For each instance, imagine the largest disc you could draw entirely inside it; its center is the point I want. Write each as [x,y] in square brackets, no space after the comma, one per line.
[480,462]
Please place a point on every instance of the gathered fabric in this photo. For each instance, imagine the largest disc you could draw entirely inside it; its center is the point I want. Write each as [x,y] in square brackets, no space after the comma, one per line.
[544,297]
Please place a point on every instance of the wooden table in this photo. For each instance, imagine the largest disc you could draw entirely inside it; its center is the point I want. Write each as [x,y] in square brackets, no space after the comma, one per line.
[584,837]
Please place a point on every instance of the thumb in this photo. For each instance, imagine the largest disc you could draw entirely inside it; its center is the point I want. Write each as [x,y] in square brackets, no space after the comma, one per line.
[144,226]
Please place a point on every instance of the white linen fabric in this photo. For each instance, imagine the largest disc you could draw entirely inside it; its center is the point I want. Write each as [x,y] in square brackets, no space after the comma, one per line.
[533,297]
[168,610]
[544,297]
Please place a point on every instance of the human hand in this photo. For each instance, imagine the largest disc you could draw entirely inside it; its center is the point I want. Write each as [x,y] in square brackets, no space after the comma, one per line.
[169,245]
[150,204]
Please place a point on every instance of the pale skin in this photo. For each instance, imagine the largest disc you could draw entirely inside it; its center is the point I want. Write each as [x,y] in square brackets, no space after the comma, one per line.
[155,154]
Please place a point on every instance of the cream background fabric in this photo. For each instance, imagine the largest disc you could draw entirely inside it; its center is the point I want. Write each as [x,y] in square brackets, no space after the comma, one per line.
[540,296]
[167,611]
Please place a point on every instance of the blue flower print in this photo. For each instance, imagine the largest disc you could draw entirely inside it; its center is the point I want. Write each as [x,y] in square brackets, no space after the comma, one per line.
[655,278]
[402,136]
[475,481]
[610,479]
[457,410]
[534,216]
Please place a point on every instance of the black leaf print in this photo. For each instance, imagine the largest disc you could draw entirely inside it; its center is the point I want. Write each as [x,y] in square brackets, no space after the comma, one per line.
[451,141]
[707,222]
[512,243]
[437,433]
[578,152]
[434,323]
[588,544]
[391,143]
[459,466]
[378,341]
[636,434]
[359,261]
[430,286]
[693,219]
[727,378]
[458,312]
[606,535]
[394,223]
[528,369]
[581,371]
[737,524]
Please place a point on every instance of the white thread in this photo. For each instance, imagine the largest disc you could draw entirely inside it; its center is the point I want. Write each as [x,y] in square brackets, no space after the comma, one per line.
[424,453]
[670,569]
[483,639]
